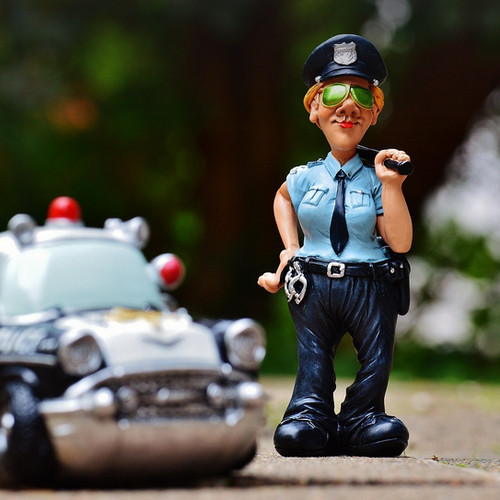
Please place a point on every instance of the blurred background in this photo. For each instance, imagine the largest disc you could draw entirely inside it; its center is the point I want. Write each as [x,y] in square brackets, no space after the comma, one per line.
[189,113]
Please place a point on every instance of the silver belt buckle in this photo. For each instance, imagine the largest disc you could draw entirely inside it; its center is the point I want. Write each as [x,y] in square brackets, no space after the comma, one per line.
[335,270]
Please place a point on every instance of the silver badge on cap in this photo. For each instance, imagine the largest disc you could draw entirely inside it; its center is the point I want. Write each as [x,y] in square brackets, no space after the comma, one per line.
[345,53]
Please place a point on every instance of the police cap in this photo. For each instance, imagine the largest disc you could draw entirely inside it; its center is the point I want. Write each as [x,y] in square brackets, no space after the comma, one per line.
[344,55]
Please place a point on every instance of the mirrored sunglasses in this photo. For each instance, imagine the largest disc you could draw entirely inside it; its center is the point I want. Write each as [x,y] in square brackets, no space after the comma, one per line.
[337,93]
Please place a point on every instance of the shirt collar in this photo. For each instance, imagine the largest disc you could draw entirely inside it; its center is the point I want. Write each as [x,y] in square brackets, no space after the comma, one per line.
[350,168]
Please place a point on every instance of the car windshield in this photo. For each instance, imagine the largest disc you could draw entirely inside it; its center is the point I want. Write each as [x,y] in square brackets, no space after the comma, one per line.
[77,275]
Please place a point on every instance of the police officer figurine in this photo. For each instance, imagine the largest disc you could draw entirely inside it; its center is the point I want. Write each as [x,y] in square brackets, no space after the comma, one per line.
[347,275]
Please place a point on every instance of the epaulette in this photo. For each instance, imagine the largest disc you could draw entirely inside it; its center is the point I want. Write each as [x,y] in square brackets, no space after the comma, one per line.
[319,161]
[296,170]
[310,164]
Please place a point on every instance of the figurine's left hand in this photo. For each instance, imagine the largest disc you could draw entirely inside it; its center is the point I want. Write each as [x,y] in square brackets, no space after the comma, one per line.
[387,175]
[271,281]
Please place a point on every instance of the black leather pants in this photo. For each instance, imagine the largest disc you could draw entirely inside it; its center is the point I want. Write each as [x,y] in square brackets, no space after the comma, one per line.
[362,306]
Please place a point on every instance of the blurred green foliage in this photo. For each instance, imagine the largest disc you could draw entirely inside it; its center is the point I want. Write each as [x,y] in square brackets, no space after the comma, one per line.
[450,250]
[450,246]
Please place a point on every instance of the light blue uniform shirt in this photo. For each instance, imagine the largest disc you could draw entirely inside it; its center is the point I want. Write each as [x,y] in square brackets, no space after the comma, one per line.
[313,190]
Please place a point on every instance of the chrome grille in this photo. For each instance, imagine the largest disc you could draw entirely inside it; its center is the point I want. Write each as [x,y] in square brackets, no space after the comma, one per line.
[166,395]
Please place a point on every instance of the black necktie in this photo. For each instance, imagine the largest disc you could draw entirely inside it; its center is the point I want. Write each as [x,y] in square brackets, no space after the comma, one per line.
[338,227]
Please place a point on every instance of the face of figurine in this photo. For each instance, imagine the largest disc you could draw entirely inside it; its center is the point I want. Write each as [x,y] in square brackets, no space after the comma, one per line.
[343,125]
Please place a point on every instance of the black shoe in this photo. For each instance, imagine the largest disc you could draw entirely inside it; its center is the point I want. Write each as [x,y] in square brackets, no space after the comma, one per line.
[304,437]
[378,435]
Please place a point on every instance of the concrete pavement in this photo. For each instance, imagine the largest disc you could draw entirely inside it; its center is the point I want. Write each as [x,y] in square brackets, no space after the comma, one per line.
[454,452]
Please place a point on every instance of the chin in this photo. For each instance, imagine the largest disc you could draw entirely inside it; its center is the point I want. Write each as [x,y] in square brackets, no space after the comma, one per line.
[344,148]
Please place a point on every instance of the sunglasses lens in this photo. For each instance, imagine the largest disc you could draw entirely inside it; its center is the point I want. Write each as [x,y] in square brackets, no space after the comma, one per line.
[363,97]
[334,94]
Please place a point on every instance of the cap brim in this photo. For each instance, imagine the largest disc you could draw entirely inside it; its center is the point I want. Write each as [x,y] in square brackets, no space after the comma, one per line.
[333,70]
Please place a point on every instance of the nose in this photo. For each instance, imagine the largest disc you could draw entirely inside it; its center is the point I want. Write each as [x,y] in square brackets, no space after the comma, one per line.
[349,108]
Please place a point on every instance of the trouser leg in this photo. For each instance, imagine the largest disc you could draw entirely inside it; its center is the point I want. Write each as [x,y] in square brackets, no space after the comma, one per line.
[365,429]
[372,324]
[317,337]
[310,426]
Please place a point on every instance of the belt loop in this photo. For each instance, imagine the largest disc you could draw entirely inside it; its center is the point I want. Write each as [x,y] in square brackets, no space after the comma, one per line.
[374,273]
[304,262]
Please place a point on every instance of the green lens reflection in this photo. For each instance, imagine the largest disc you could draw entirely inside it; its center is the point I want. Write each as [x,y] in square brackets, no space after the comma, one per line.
[334,94]
[362,96]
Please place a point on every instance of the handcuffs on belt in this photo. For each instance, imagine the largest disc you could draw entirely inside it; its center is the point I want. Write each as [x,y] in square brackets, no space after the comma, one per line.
[295,277]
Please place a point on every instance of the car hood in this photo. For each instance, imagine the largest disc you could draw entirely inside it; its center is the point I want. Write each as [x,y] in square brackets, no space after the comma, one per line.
[129,337]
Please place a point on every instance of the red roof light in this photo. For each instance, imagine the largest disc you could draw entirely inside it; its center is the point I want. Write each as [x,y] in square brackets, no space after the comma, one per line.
[66,208]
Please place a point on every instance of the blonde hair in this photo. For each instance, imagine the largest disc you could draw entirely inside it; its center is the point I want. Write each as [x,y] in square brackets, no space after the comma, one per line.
[378,95]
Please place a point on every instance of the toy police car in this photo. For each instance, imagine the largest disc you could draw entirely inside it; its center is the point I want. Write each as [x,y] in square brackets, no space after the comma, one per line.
[100,376]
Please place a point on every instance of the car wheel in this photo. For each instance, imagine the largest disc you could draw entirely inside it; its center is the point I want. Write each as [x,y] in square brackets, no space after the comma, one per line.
[25,451]
[246,458]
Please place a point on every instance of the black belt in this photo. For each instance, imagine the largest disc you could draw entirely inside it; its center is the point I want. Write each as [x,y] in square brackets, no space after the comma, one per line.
[334,269]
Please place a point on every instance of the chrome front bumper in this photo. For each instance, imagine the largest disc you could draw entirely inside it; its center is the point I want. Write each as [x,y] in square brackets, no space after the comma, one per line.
[93,436]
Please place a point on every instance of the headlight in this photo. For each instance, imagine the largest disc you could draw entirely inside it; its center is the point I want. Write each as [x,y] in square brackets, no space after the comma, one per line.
[79,353]
[245,344]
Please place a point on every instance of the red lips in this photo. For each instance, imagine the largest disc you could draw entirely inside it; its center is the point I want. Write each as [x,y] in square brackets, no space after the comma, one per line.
[346,124]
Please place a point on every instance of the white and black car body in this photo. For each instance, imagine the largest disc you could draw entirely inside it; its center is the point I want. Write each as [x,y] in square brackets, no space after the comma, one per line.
[100,377]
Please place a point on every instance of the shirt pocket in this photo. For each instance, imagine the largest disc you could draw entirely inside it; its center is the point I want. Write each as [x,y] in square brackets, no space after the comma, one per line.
[314,195]
[359,198]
